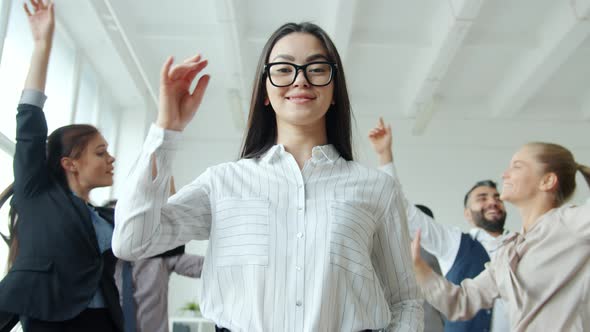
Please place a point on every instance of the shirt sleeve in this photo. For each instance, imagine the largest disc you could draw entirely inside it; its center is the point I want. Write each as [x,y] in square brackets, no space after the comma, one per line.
[464,301]
[577,218]
[30,160]
[33,97]
[440,240]
[148,222]
[393,265]
[186,265]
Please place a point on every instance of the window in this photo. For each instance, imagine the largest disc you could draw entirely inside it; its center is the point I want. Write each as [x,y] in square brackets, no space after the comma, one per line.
[5,179]
[86,105]
[59,89]
[16,53]
[107,121]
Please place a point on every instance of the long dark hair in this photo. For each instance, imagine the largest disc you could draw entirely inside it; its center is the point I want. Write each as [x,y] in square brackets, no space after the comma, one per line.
[67,141]
[262,126]
[10,239]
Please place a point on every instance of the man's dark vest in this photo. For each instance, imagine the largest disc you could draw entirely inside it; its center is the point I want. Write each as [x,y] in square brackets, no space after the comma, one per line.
[469,263]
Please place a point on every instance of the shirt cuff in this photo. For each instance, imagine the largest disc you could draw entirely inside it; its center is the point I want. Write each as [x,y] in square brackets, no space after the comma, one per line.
[162,139]
[33,97]
[389,168]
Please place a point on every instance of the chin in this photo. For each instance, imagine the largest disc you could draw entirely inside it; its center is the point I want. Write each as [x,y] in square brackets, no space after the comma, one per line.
[106,183]
[505,197]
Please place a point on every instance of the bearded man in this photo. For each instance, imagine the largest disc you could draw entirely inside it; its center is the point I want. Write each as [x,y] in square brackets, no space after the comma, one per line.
[460,255]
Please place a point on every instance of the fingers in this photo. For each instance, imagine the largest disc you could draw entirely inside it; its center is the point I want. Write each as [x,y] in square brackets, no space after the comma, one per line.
[38,5]
[165,70]
[416,245]
[195,58]
[197,95]
[380,129]
[191,71]
[377,132]
[35,4]
[186,70]
[27,9]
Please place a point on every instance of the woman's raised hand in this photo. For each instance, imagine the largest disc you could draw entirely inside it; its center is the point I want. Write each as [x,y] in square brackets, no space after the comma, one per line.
[41,21]
[177,104]
[380,137]
[421,268]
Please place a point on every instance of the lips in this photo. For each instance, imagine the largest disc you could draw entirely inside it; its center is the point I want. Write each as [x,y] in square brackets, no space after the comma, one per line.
[300,98]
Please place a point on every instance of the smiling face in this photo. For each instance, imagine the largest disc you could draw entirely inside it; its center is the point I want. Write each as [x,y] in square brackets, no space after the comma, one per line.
[523,179]
[485,209]
[299,104]
[94,168]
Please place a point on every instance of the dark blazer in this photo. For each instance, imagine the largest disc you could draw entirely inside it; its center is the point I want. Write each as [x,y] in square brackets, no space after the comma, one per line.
[59,266]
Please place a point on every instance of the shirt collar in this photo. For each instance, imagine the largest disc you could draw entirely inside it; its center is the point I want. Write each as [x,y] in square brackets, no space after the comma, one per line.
[481,235]
[324,153]
[327,153]
[271,154]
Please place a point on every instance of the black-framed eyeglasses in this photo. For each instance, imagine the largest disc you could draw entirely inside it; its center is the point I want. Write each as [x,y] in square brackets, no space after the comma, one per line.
[283,74]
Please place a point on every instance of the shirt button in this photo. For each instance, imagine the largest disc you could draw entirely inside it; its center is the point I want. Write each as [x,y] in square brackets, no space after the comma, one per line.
[298,303]
[298,268]
[300,208]
[299,235]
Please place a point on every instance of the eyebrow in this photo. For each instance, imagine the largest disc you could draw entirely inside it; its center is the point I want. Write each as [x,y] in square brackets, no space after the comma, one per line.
[100,146]
[487,194]
[309,58]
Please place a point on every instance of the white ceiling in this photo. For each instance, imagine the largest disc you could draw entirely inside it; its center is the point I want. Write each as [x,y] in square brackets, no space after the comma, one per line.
[419,60]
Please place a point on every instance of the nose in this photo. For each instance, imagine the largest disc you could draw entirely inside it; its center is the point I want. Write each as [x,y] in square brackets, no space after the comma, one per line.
[505,175]
[300,79]
[111,159]
[493,202]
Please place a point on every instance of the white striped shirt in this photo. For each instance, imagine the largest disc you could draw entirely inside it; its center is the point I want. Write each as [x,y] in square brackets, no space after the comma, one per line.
[325,248]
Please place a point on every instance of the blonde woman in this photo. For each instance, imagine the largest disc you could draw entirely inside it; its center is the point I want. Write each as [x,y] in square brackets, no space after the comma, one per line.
[542,273]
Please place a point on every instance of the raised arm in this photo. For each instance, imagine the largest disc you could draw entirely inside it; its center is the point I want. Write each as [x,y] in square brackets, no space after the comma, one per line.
[31,130]
[42,24]
[455,302]
[148,223]
[439,240]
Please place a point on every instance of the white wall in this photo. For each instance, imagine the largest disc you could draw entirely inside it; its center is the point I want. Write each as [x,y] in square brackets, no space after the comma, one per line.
[132,131]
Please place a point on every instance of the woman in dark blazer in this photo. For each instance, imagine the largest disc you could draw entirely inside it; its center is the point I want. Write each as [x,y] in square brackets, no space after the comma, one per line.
[62,276]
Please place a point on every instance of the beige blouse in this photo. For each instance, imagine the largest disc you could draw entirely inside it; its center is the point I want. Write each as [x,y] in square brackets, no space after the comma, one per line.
[543,276]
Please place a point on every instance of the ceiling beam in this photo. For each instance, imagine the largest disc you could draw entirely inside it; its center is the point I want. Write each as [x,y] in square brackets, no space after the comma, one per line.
[452,24]
[120,41]
[341,25]
[562,35]
[424,115]
[233,28]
